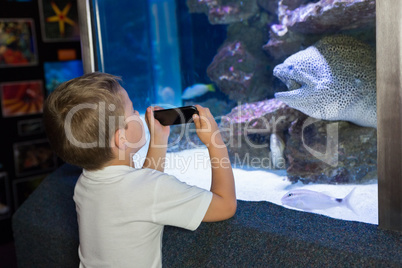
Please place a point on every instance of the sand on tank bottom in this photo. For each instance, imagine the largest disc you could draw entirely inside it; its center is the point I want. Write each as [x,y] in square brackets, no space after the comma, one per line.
[192,166]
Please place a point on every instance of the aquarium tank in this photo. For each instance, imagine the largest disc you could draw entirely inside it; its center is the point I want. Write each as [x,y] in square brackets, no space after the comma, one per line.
[291,83]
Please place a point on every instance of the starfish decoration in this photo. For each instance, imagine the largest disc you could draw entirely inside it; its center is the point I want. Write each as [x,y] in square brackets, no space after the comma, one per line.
[61,17]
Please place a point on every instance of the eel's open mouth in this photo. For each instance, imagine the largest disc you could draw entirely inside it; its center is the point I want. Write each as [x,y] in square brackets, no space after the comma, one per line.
[292,84]
[284,73]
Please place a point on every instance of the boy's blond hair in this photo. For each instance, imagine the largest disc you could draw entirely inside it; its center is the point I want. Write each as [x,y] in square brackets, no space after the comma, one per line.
[81,117]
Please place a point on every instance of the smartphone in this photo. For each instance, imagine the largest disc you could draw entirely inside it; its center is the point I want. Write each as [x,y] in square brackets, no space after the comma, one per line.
[176,116]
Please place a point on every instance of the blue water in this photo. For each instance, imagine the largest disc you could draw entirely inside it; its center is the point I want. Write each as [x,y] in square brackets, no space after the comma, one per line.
[125,46]
[155,47]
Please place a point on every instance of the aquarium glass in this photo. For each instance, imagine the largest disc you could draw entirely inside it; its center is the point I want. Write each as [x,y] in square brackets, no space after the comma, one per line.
[122,34]
[292,89]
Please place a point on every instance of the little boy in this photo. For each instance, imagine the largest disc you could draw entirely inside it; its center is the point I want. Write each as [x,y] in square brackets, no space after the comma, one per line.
[90,122]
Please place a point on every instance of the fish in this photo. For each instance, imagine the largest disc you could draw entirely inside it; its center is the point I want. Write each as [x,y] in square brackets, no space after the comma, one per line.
[167,94]
[334,79]
[197,90]
[277,145]
[308,200]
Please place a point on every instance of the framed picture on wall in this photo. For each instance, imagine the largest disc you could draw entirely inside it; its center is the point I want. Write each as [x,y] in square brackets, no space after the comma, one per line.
[66,54]
[61,71]
[33,157]
[4,196]
[21,98]
[23,188]
[30,127]
[17,43]
[59,20]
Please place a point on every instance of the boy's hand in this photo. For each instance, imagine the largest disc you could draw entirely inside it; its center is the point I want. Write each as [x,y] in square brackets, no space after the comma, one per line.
[207,128]
[158,144]
[158,132]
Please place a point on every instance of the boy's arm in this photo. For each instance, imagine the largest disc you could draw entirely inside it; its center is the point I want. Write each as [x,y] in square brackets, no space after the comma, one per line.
[156,155]
[223,204]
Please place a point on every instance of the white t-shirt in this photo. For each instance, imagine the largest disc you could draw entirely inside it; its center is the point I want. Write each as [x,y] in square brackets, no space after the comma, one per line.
[122,210]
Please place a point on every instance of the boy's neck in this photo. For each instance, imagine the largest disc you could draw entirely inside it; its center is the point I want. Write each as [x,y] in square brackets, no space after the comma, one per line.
[122,158]
[126,161]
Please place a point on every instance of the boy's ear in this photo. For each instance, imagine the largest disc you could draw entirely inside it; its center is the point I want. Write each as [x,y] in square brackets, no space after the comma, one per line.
[120,139]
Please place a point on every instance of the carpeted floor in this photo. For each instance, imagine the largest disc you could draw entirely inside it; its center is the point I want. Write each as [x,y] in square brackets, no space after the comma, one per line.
[266,235]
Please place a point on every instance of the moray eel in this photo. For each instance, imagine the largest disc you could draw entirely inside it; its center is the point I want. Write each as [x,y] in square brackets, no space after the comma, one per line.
[335,79]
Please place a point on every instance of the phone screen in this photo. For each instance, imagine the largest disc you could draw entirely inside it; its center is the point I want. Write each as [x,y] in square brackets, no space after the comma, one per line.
[175,116]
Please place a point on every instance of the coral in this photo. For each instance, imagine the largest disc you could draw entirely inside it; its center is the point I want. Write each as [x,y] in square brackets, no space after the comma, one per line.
[247,129]
[271,6]
[271,115]
[224,11]
[302,23]
[241,67]
[293,4]
[331,152]
[282,42]
[183,137]
[328,16]
[333,80]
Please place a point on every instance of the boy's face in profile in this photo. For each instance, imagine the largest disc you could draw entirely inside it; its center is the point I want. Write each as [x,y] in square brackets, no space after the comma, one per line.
[134,131]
